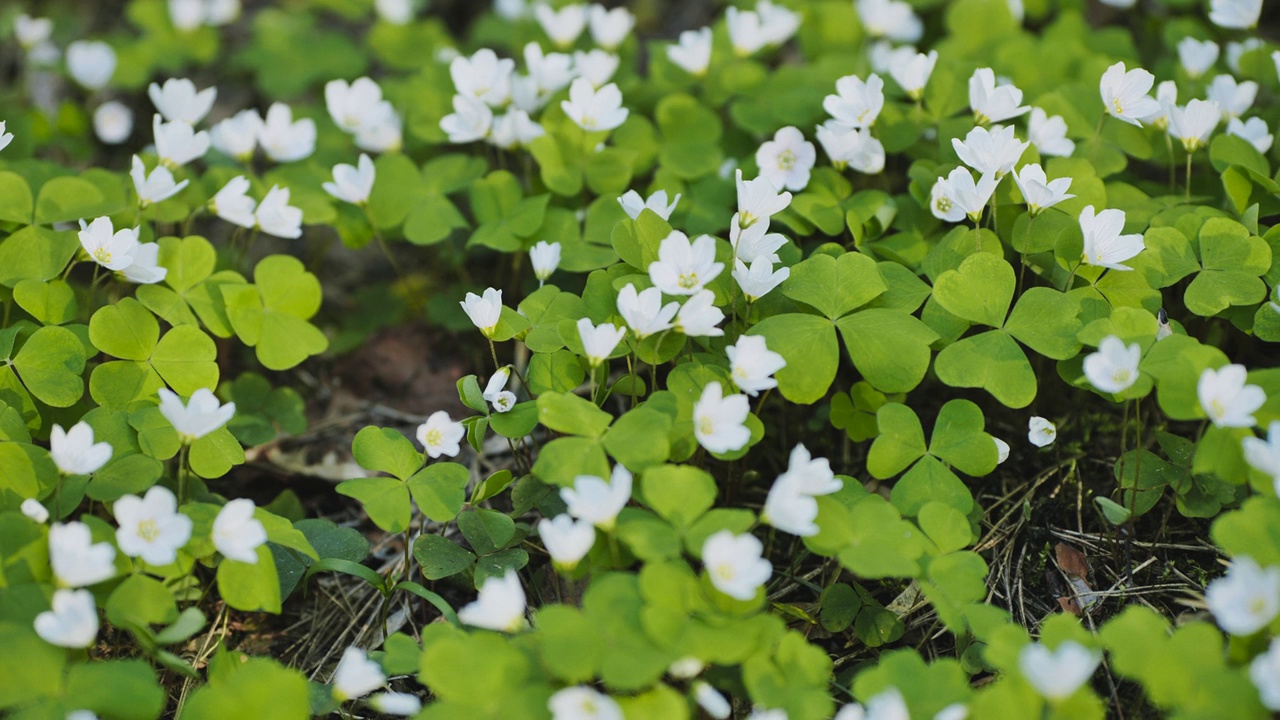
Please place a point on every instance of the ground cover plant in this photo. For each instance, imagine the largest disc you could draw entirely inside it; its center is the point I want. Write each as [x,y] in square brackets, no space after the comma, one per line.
[802,360]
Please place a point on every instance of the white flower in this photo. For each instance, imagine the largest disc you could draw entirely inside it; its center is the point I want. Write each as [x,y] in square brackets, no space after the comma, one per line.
[957,196]
[500,605]
[511,9]
[1114,367]
[1002,450]
[699,316]
[779,23]
[754,242]
[396,703]
[1041,432]
[772,714]
[856,103]
[1039,192]
[892,19]
[440,435]
[644,312]
[221,12]
[1124,94]
[76,559]
[596,501]
[237,136]
[633,204]
[758,199]
[1262,455]
[990,151]
[177,99]
[685,668]
[747,33]
[503,401]
[1225,397]
[851,147]
[911,69]
[1264,671]
[752,364]
[233,204]
[545,258]
[719,421]
[283,139]
[594,109]
[693,51]
[112,122]
[151,526]
[610,27]
[1197,56]
[790,509]
[352,184]
[1122,4]
[496,383]
[1235,14]
[682,267]
[31,31]
[383,132]
[483,76]
[275,216]
[470,120]
[91,63]
[5,137]
[1246,599]
[563,26]
[735,564]
[156,187]
[75,452]
[396,12]
[1253,131]
[887,705]
[596,66]
[484,311]
[879,53]
[34,510]
[1233,98]
[81,715]
[356,676]
[758,279]
[1057,674]
[113,251]
[1049,134]
[567,541]
[1166,100]
[787,159]
[177,143]
[186,15]
[356,105]
[145,268]
[992,104]
[583,703]
[1194,123]
[514,129]
[201,415]
[237,534]
[73,621]
[550,72]
[711,701]
[1236,50]
[954,711]
[1104,246]
[599,341]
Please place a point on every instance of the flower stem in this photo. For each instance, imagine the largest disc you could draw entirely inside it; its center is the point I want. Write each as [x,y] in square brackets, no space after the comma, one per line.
[182,473]
[1188,178]
[493,352]
[1173,173]
[1097,138]
[1071,278]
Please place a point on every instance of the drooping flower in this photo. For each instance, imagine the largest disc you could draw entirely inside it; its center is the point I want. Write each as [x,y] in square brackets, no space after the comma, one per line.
[484,311]
[31,31]
[356,105]
[545,258]
[1057,674]
[177,143]
[891,19]
[593,109]
[1233,98]
[699,317]
[156,187]
[1124,94]
[1104,246]
[1002,450]
[76,559]
[684,267]
[1041,432]
[719,421]
[583,703]
[790,505]
[752,364]
[1114,367]
[201,415]
[1246,599]
[692,52]
[992,103]
[1197,56]
[990,152]
[755,241]
[73,621]
[177,99]
[1049,134]
[550,72]
[356,676]
[233,204]
[91,63]
[112,122]
[911,70]
[567,540]
[514,129]
[1235,14]
[1226,398]
[787,159]
[484,76]
[497,383]
[237,136]
[563,26]
[735,564]
[75,453]
[633,204]
[711,701]
[851,147]
[352,184]
[644,312]
[35,511]
[747,33]
[500,605]
[237,534]
[1253,131]
[1264,671]
[599,341]
[759,278]
[759,199]
[282,138]
[396,703]
[151,526]
[856,103]
[145,268]
[441,435]
[275,216]
[778,22]
[610,27]
[596,501]
[1039,192]
[597,66]
[1264,455]
[957,196]
[1193,124]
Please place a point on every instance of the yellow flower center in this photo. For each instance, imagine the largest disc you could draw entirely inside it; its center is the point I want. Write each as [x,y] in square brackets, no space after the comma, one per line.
[1115,104]
[434,437]
[147,530]
[102,255]
[1216,409]
[723,572]
[1121,376]
[706,426]
[787,159]
[943,204]
[1257,605]
[688,281]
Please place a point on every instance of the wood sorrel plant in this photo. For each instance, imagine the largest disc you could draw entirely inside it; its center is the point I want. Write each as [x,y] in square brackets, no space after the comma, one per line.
[723,279]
